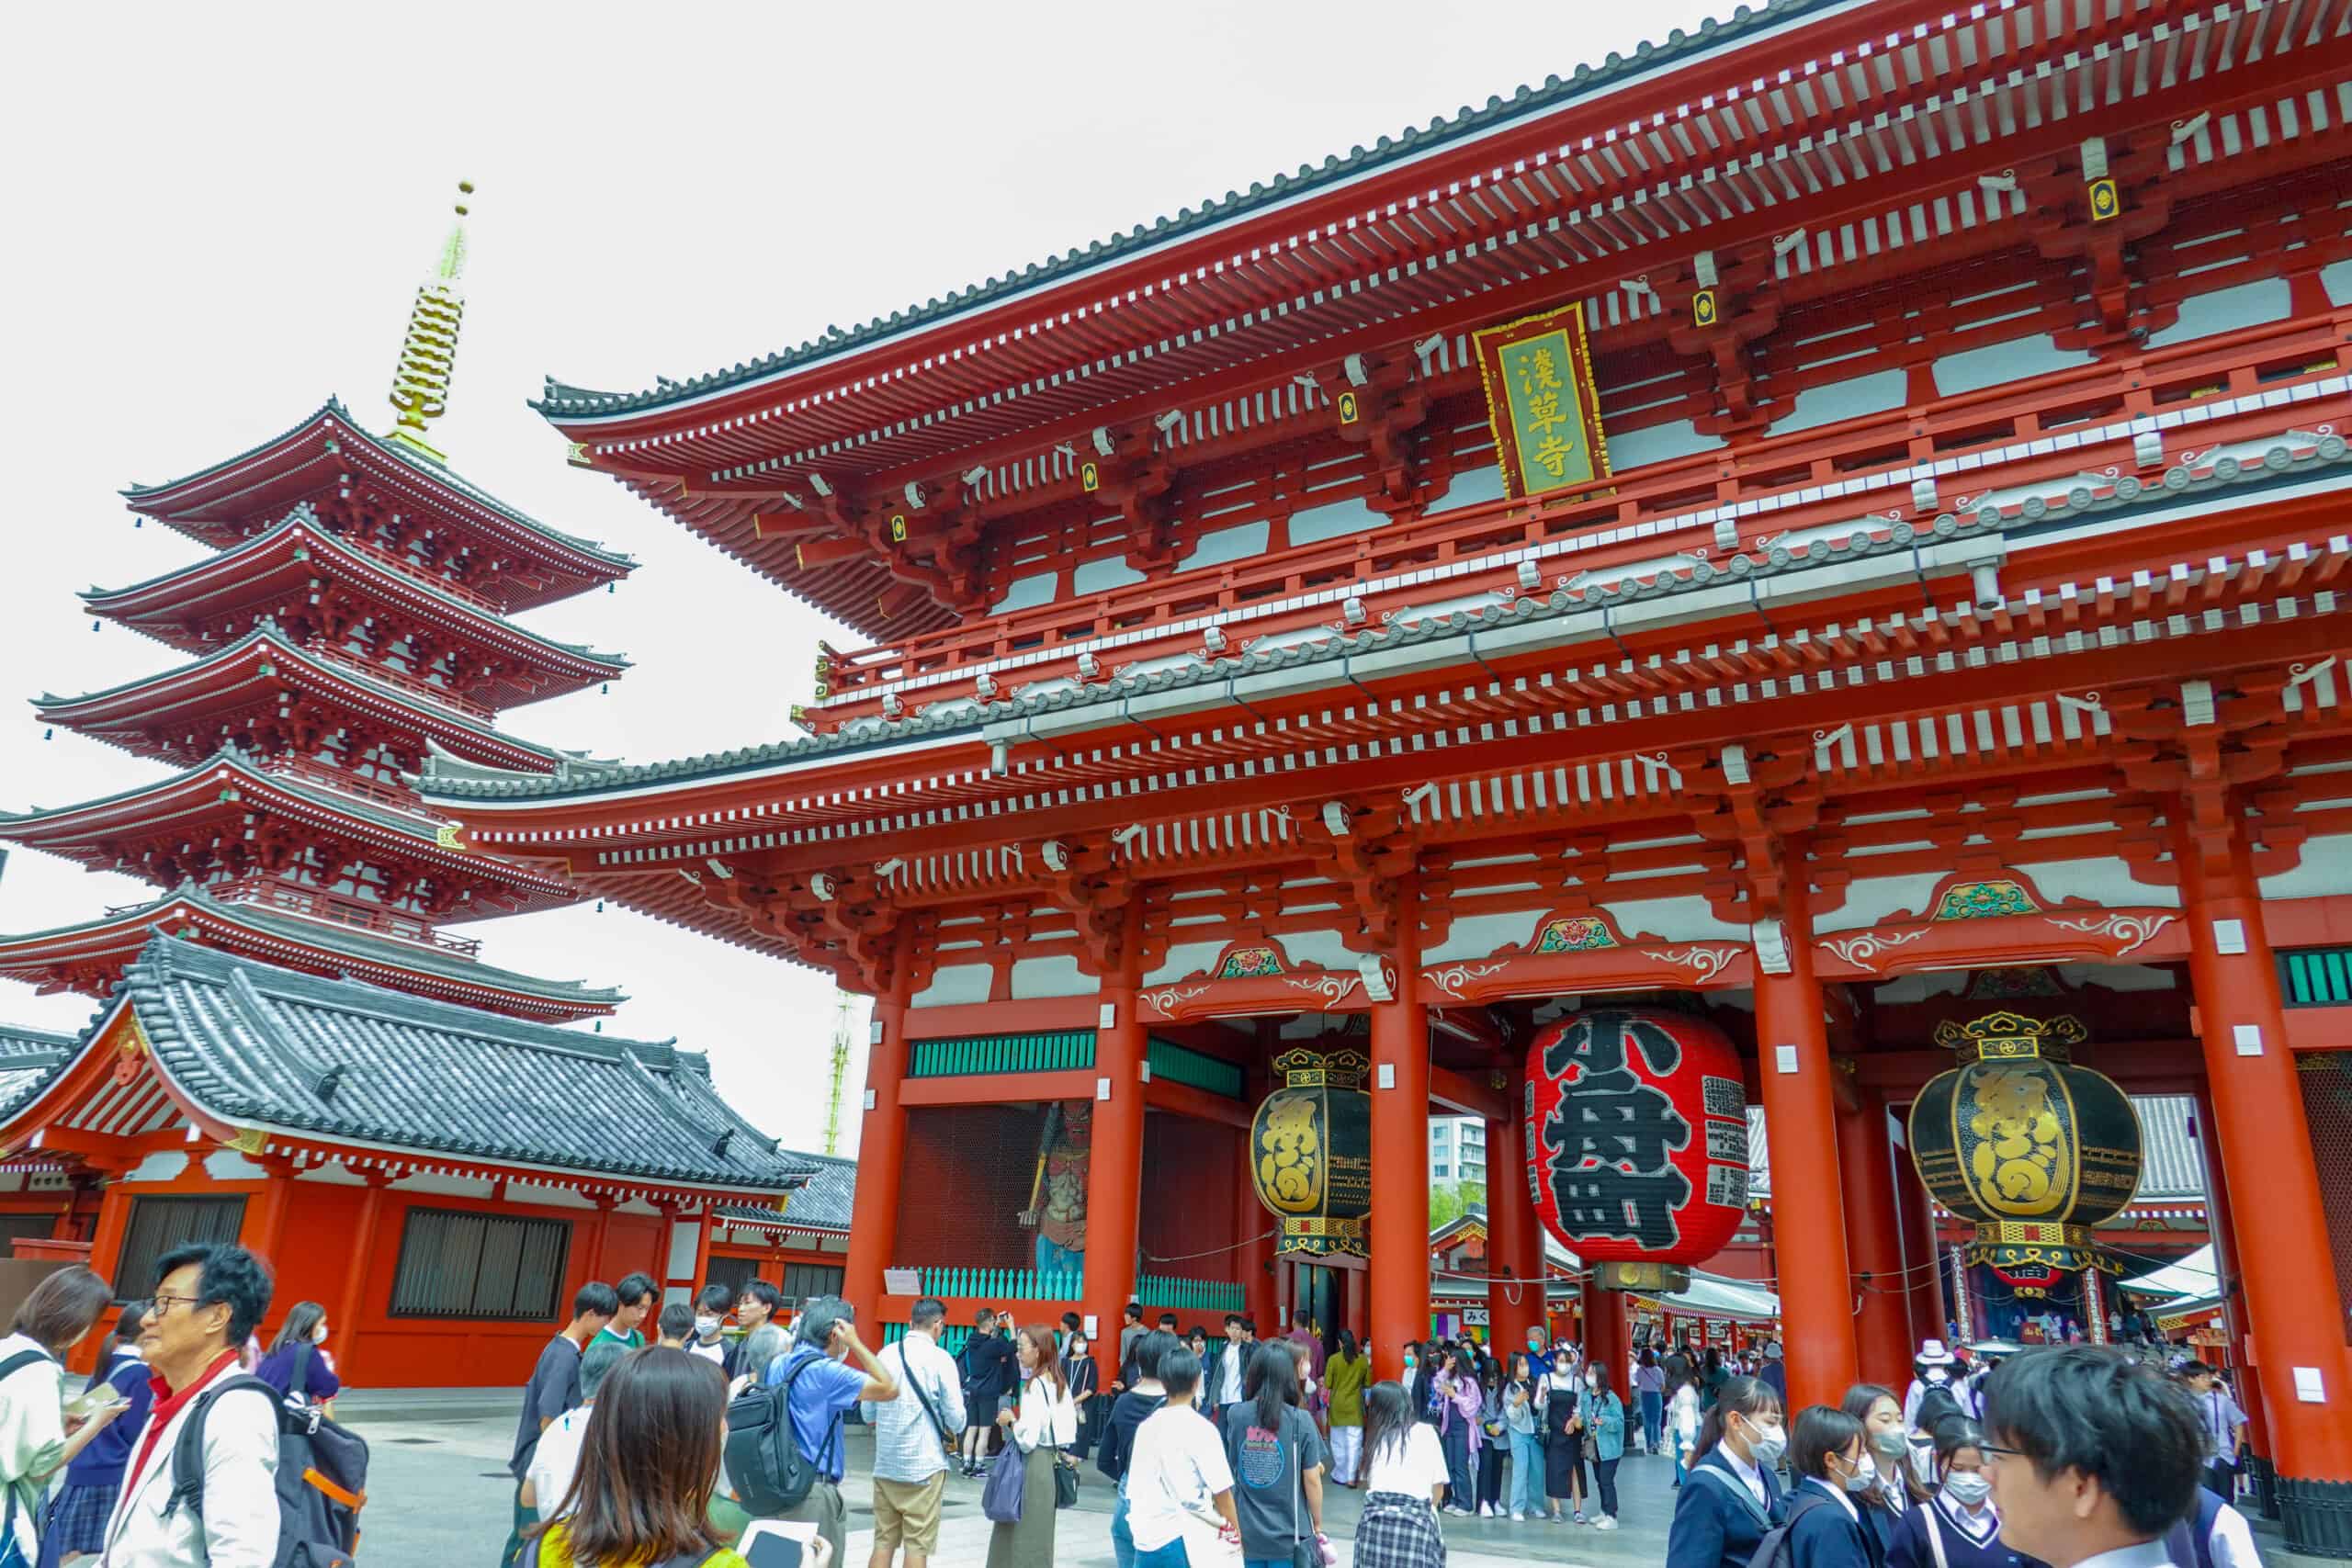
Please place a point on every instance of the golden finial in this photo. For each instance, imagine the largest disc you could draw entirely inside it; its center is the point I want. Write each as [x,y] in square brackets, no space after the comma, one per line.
[429,351]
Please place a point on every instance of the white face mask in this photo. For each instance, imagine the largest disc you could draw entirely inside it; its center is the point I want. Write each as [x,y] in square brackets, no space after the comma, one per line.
[1969,1488]
[1766,1445]
[706,1325]
[1865,1476]
[319,1335]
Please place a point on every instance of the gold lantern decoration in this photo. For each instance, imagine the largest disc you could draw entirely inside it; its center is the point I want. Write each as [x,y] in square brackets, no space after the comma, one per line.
[2033,1149]
[1310,1152]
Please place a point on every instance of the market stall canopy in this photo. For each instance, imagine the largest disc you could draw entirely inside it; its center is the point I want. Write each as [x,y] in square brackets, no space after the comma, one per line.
[2194,1275]
[1711,1295]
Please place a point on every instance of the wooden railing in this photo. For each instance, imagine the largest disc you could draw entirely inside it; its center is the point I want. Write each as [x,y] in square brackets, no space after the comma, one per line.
[385,676]
[309,771]
[340,909]
[2268,358]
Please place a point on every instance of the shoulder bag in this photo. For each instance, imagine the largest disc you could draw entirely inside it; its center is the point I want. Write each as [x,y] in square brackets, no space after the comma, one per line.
[946,1438]
[1065,1476]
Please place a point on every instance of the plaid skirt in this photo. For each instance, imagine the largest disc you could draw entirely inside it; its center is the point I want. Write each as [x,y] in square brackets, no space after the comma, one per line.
[1398,1531]
[76,1521]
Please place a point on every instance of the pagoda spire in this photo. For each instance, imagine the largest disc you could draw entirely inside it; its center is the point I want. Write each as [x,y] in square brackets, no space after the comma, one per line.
[429,351]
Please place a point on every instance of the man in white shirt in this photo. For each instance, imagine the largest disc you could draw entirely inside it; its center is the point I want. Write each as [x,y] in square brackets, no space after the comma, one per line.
[912,1434]
[2224,1424]
[1178,1480]
[556,1459]
[2092,1457]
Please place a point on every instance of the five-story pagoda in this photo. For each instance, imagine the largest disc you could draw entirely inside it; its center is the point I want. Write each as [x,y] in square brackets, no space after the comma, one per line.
[351,621]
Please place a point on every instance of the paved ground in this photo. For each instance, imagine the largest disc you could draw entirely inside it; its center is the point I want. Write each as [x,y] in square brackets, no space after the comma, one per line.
[438,1494]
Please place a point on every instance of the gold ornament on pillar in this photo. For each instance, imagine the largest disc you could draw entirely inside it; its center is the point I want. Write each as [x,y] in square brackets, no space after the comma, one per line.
[1310,1152]
[2035,1150]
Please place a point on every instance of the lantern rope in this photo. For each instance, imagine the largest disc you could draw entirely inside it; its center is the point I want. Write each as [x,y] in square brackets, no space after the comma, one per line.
[1214,1251]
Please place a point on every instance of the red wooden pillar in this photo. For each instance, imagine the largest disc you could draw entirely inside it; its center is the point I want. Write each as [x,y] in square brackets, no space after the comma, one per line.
[702,1244]
[349,1305]
[105,1245]
[1874,1240]
[881,1153]
[1606,1339]
[1922,1253]
[1801,1121]
[1115,1162]
[2295,1335]
[2223,1234]
[594,1257]
[1399,1221]
[1515,1238]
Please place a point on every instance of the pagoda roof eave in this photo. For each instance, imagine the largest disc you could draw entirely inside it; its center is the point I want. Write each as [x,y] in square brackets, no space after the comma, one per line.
[175,502]
[145,699]
[256,931]
[570,407]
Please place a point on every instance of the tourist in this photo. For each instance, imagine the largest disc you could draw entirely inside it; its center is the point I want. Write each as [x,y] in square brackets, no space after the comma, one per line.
[1460,1402]
[75,1522]
[1131,1329]
[1899,1489]
[1082,1377]
[1831,1461]
[1770,1371]
[1225,1370]
[1604,1433]
[2089,1453]
[638,1294]
[674,1326]
[1302,1333]
[2224,1424]
[208,1299]
[1494,1440]
[1277,1459]
[987,1370]
[819,1390]
[34,1441]
[759,1350]
[1522,1427]
[1073,1325]
[707,1340]
[1045,1422]
[1416,1381]
[1563,1438]
[1343,1383]
[621,1512]
[1931,1368]
[556,1459]
[1677,1364]
[1682,1418]
[755,1305]
[1310,1388]
[1959,1527]
[1197,1341]
[554,1388]
[1178,1480]
[1713,1376]
[1732,1494]
[1649,1392]
[1134,1406]
[913,1435]
[298,1341]
[1405,1480]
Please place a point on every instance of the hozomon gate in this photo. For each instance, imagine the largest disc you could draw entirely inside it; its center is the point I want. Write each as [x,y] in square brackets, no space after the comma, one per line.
[1958,624]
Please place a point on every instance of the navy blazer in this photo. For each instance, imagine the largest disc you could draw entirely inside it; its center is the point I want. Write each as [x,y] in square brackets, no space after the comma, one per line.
[1911,1549]
[1883,1524]
[1825,1537]
[1718,1525]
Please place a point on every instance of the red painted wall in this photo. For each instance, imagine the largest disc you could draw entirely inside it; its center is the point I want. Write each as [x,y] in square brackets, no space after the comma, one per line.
[1192,1176]
[968,1171]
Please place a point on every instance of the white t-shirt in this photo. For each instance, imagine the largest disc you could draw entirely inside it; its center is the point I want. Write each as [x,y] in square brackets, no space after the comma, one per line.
[1175,1466]
[1411,1471]
[714,1352]
[556,1458]
[32,1432]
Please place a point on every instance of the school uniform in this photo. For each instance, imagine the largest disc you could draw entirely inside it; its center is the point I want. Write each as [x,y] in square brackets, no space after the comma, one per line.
[1941,1534]
[1883,1511]
[1830,1534]
[1722,1512]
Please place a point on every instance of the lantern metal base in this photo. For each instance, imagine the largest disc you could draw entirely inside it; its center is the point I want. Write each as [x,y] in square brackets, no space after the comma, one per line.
[1644,1277]
[1323,1235]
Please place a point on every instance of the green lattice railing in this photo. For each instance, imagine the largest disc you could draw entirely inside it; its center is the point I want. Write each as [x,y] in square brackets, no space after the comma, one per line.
[1178,1064]
[1189,1295]
[1002,1284]
[1051,1052]
[952,1336]
[2316,976]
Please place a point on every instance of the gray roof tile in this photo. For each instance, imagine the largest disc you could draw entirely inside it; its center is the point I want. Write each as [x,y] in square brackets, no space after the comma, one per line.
[28,1057]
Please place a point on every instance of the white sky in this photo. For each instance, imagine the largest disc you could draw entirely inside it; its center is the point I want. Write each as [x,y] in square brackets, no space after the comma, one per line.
[221,213]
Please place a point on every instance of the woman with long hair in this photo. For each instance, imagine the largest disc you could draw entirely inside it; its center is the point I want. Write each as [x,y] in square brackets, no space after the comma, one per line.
[1523,1429]
[1731,1494]
[1650,1391]
[1276,1457]
[624,1507]
[1083,1379]
[76,1521]
[1494,1438]
[1831,1459]
[1046,1424]
[1898,1489]
[1405,1478]
[1459,1401]
[1682,1418]
[1604,1427]
[1343,1380]
[1563,1438]
[300,1343]
[35,1442]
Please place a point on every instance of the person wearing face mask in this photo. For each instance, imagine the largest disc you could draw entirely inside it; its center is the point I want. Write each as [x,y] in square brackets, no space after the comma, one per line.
[1605,1426]
[1960,1527]
[296,1365]
[1831,1458]
[710,1316]
[1563,1418]
[1898,1491]
[1732,1494]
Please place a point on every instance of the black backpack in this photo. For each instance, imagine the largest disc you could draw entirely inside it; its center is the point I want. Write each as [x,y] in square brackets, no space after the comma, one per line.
[764,1464]
[1774,1550]
[322,1475]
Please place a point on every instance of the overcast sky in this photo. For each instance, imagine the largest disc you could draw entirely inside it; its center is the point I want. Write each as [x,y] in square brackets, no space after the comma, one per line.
[221,213]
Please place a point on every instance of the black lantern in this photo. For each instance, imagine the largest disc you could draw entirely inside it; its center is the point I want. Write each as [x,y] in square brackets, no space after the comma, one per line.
[1311,1152]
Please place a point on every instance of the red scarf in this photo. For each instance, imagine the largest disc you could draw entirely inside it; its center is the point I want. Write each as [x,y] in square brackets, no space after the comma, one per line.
[168,1404]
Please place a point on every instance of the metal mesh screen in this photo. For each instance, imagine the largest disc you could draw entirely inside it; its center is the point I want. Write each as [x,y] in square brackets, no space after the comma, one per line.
[1000,1189]
[2326,1078]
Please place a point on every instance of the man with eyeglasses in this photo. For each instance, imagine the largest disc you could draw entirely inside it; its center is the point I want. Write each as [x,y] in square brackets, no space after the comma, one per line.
[2093,1457]
[207,1303]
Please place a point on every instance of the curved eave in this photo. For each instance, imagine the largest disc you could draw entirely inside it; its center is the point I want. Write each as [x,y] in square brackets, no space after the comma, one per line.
[207,504]
[259,664]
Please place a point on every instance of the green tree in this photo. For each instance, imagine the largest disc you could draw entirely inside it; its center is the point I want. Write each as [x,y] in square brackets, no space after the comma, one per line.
[1449,1200]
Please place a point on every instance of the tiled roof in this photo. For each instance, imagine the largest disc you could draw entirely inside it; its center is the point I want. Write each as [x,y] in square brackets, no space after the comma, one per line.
[27,1056]
[823,1205]
[1467,123]
[360,945]
[1772,564]
[341,1061]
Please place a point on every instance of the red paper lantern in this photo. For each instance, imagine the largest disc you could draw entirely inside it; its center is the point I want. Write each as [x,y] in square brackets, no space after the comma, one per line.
[1636,1135]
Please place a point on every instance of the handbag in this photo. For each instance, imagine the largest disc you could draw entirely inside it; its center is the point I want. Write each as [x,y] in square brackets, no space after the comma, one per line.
[1064,1481]
[1001,1493]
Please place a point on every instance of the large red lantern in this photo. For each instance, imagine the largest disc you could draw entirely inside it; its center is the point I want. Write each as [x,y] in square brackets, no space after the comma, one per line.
[1637,1140]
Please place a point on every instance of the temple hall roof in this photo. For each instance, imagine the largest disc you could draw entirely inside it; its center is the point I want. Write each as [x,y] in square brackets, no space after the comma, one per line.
[824,1205]
[339,1062]
[27,1057]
